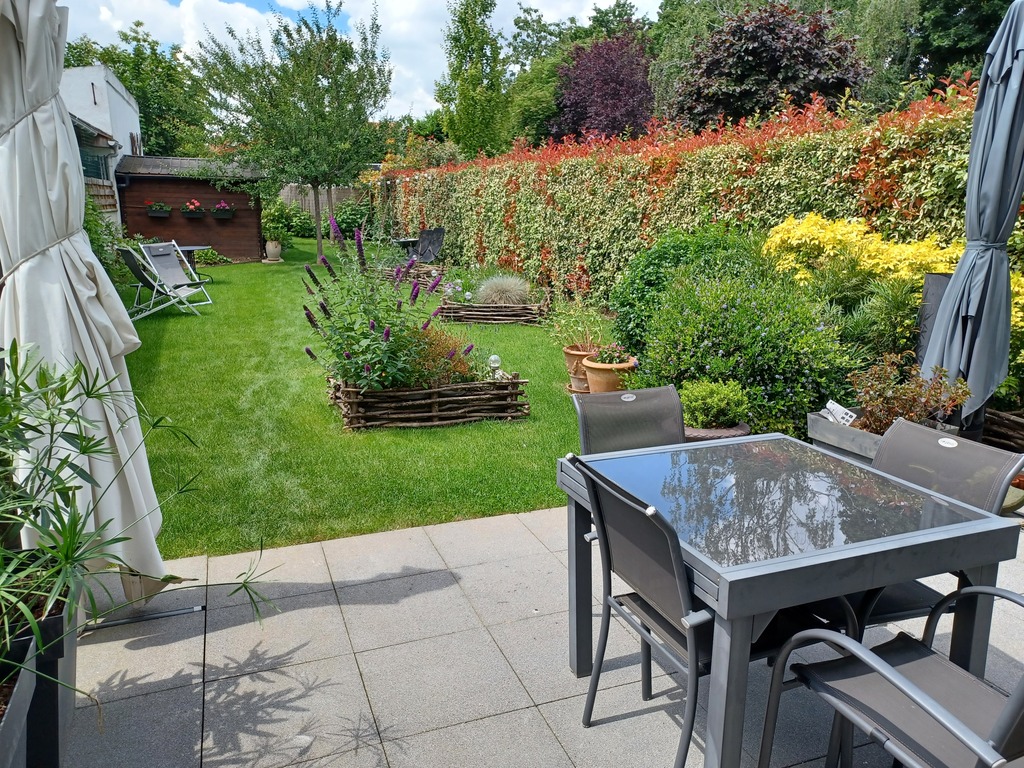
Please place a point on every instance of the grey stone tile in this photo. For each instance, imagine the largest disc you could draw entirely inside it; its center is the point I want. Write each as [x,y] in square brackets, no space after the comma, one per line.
[625,730]
[428,684]
[380,556]
[484,540]
[303,628]
[596,585]
[156,730]
[289,715]
[550,526]
[537,650]
[520,739]
[361,757]
[136,659]
[283,572]
[401,610]
[508,590]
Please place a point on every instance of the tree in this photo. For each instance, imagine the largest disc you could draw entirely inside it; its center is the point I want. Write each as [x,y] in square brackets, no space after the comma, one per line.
[532,98]
[472,93]
[618,18]
[888,41]
[604,88]
[173,102]
[298,110]
[761,55]
[955,34]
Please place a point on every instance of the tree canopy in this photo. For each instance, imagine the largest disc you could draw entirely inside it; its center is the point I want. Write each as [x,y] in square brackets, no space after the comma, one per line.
[297,110]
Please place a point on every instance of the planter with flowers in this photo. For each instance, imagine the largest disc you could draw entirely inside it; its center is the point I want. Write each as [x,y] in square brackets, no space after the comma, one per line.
[580,332]
[606,367]
[157,209]
[223,210]
[497,299]
[389,363]
[192,209]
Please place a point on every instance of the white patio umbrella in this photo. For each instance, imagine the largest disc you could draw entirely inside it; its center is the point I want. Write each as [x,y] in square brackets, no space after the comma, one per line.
[57,297]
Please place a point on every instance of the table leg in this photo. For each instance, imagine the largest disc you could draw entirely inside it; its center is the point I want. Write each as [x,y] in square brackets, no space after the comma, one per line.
[727,699]
[972,623]
[581,598]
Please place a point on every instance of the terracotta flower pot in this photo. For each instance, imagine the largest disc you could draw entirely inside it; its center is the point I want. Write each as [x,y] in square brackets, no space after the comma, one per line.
[574,362]
[606,377]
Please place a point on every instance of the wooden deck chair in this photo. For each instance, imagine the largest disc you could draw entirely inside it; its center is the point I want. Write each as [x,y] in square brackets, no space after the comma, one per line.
[174,269]
[161,294]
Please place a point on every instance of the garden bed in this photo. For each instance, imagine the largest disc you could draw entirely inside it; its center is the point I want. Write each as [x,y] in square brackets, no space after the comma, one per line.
[523,314]
[438,406]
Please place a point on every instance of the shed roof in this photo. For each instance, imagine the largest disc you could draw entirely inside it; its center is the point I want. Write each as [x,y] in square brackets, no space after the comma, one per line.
[146,165]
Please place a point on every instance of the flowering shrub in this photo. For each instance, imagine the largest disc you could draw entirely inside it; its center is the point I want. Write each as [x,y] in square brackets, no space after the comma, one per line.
[612,354]
[381,335]
[192,206]
[223,205]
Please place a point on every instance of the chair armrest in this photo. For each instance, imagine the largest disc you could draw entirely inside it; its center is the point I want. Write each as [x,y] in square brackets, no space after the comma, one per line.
[696,618]
[956,727]
[928,636]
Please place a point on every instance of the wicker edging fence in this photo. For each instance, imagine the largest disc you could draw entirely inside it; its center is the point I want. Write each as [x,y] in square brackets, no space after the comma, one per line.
[525,314]
[433,407]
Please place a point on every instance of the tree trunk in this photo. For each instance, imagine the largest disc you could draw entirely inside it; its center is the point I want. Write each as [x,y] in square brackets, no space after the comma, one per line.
[316,221]
[330,206]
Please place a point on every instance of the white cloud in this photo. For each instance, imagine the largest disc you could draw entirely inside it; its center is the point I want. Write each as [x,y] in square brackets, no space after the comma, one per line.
[412,30]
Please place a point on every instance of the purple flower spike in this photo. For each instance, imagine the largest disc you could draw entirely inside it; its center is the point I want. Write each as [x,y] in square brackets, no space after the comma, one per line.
[310,318]
[415,292]
[373,325]
[311,353]
[367,368]
[399,305]
[324,308]
[450,355]
[398,273]
[467,350]
[348,355]
[308,289]
[433,286]
[425,325]
[359,243]
[336,230]
[329,268]
[436,312]
[409,264]
[387,332]
[313,277]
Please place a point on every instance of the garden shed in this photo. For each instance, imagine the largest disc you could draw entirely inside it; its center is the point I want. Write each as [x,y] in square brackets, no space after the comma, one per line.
[171,183]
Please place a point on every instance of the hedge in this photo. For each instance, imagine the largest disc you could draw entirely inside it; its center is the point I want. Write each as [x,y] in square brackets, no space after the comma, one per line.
[576,214]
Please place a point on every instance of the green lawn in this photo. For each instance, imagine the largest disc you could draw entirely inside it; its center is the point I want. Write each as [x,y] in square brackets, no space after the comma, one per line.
[277,466]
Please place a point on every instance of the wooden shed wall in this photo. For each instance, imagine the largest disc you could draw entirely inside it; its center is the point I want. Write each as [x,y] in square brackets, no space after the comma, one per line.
[238,238]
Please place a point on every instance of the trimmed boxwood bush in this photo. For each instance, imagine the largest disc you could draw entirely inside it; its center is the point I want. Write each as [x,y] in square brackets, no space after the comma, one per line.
[712,250]
[768,335]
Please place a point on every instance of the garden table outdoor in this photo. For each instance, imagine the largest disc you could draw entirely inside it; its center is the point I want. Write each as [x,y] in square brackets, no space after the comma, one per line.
[767,522]
[408,243]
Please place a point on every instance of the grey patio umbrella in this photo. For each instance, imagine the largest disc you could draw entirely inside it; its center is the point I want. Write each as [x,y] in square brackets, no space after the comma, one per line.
[971,332]
[57,297]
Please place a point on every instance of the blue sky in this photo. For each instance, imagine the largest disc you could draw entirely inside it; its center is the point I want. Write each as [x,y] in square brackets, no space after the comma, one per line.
[412,30]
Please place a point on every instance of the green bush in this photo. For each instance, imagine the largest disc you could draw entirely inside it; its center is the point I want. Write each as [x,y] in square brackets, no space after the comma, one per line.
[300,221]
[711,250]
[713,403]
[276,220]
[768,335]
[104,236]
[349,215]
[885,321]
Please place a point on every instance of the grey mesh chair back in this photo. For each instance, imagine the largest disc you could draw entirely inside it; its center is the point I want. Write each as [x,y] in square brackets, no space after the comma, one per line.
[175,271]
[160,292]
[429,245]
[965,470]
[636,418]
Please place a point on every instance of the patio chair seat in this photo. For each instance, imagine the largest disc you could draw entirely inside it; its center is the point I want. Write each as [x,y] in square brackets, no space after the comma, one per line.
[849,682]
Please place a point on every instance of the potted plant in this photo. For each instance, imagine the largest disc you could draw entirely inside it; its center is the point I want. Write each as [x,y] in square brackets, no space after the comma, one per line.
[606,367]
[580,331]
[714,409]
[157,209]
[222,210]
[891,388]
[275,221]
[192,209]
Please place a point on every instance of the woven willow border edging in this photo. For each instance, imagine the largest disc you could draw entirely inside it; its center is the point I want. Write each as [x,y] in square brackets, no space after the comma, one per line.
[525,314]
[435,407]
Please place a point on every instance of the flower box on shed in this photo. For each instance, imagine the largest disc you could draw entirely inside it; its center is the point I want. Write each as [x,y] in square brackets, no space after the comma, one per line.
[432,407]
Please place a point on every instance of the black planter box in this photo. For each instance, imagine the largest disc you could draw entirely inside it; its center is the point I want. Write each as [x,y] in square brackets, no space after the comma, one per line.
[14,726]
[158,214]
[222,214]
[193,214]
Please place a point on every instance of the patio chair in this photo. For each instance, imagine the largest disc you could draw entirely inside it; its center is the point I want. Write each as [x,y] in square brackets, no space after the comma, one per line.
[919,706]
[642,548]
[964,470]
[161,293]
[637,418]
[175,269]
[429,245]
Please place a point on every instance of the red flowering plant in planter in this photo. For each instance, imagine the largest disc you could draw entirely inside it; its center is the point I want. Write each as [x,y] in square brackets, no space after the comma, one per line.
[382,335]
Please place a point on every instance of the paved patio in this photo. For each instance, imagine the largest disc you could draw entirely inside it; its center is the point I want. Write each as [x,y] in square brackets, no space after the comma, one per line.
[438,646]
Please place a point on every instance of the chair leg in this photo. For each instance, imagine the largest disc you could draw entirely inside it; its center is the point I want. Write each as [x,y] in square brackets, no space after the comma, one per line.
[840,743]
[689,717]
[645,668]
[595,676]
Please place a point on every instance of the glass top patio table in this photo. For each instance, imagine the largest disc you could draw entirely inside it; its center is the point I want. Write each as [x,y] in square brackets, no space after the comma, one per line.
[748,502]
